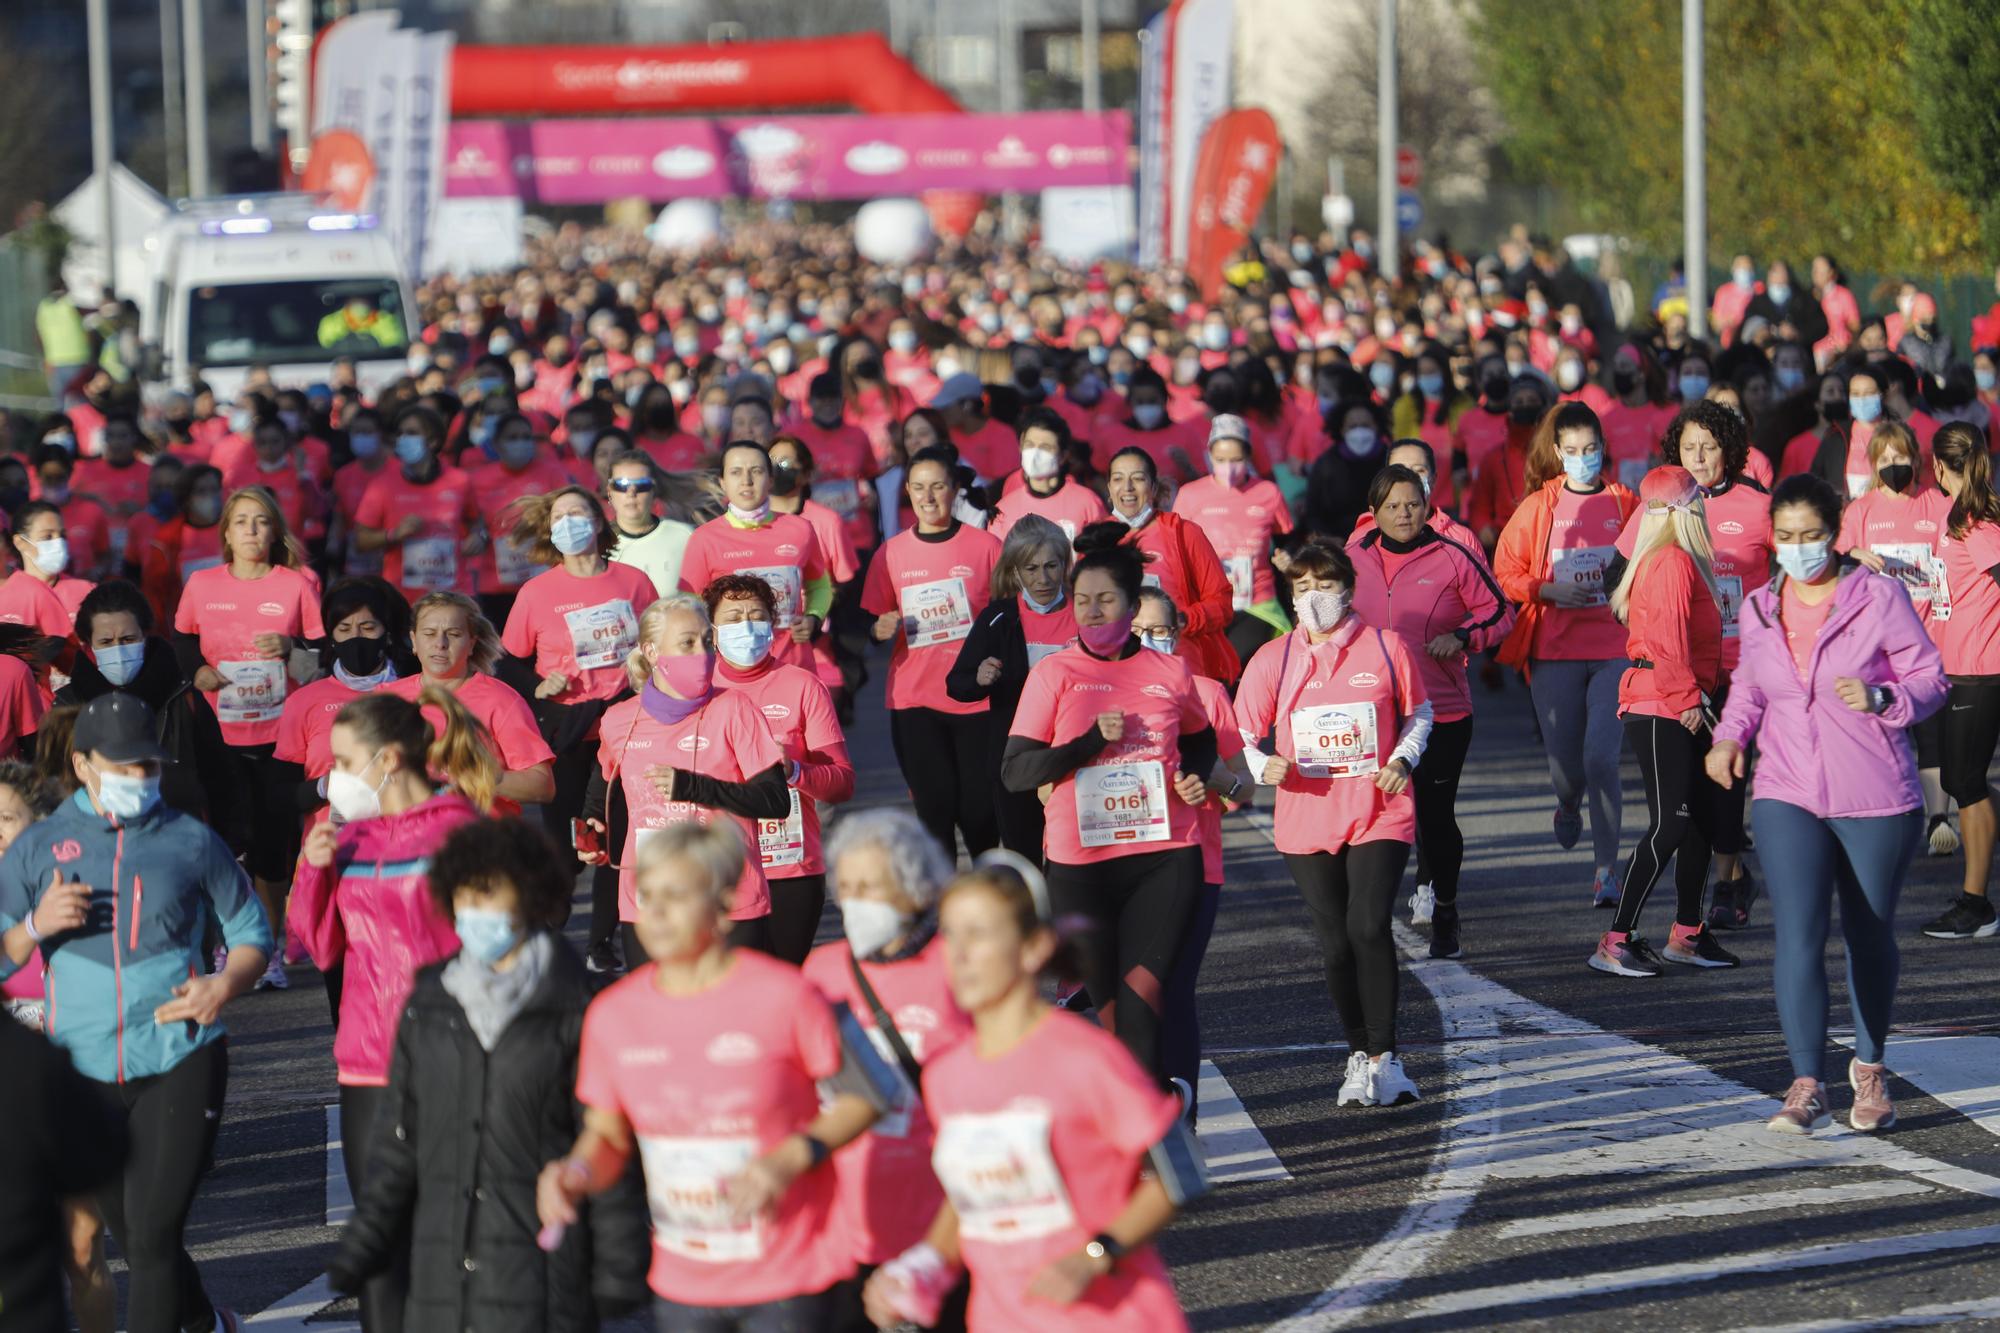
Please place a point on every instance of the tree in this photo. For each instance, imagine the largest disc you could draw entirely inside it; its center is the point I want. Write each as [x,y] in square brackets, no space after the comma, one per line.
[1955,65]
[1811,119]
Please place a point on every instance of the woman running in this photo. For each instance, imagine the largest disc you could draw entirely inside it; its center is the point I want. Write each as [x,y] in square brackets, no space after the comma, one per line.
[926,588]
[752,538]
[1045,488]
[367,646]
[1437,593]
[236,626]
[708,1064]
[1551,562]
[457,650]
[521,469]
[1350,718]
[1028,619]
[1668,599]
[1120,736]
[682,751]
[185,544]
[422,513]
[1181,562]
[1048,1202]
[1242,516]
[40,594]
[1835,671]
[798,709]
[361,903]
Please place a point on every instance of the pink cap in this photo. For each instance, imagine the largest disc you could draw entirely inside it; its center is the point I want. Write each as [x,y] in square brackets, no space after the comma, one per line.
[1924,307]
[1669,487]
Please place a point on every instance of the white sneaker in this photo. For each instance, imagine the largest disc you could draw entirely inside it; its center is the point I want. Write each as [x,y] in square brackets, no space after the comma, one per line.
[1388,1084]
[1354,1088]
[274,977]
[1421,903]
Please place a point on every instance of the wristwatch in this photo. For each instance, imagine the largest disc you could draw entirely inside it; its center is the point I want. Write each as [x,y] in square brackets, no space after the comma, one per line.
[1105,1246]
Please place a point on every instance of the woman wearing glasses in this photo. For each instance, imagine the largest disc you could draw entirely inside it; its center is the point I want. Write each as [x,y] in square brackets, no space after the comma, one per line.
[647,542]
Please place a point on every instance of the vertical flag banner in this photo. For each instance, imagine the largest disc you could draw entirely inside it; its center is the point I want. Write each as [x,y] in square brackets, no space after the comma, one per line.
[1233,174]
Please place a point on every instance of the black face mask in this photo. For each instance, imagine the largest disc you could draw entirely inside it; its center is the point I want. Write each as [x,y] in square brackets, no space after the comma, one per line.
[1835,411]
[1896,476]
[1495,389]
[663,420]
[361,656]
[1524,414]
[1624,379]
[13,497]
[784,480]
[868,369]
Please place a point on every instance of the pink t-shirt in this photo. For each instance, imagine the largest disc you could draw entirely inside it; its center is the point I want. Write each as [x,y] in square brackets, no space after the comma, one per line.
[783,552]
[799,711]
[709,1082]
[1632,437]
[1039,1150]
[500,709]
[26,600]
[350,483]
[1240,525]
[1968,602]
[1071,507]
[227,614]
[1859,471]
[1229,743]
[888,1195]
[843,463]
[842,561]
[429,560]
[1904,531]
[992,451]
[938,587]
[1122,802]
[497,493]
[1479,433]
[1803,621]
[1335,710]
[582,627]
[1739,536]
[726,739]
[1582,541]
[1048,633]
[305,728]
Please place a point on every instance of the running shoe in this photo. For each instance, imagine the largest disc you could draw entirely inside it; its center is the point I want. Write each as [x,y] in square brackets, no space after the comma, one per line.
[1354,1087]
[1421,904]
[1625,955]
[1804,1110]
[274,977]
[1729,907]
[1186,1095]
[1872,1109]
[1967,918]
[1444,931]
[1388,1085]
[1695,946]
[602,958]
[1568,825]
[1943,837]
[1605,889]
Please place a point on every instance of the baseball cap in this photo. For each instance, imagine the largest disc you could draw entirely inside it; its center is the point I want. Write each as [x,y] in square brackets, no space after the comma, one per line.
[1228,426]
[1668,487]
[963,387]
[120,727]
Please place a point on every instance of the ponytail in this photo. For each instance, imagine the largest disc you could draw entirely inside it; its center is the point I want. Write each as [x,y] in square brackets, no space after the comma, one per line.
[1961,449]
[461,754]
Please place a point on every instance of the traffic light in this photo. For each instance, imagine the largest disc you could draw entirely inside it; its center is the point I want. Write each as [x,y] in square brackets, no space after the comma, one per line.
[291,28]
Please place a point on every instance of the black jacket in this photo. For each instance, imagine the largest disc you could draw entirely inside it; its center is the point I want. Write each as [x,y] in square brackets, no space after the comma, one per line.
[202,779]
[996,632]
[455,1180]
[1801,310]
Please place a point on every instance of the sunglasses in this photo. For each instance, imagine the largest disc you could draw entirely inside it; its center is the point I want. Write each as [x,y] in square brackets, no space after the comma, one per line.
[628,485]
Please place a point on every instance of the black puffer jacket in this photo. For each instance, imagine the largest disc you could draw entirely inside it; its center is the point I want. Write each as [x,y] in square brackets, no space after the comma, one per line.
[455,1181]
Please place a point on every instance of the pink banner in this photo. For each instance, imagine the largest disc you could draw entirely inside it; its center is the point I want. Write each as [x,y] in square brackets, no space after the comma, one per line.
[782,157]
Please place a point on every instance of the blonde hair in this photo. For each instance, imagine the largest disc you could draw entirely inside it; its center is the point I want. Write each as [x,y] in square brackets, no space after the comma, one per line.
[716,849]
[1686,528]
[1030,536]
[462,754]
[653,623]
[486,650]
[284,547]
[533,514]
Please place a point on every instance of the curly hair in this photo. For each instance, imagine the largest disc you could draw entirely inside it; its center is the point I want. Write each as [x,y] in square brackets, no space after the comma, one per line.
[488,853]
[1729,430]
[726,586]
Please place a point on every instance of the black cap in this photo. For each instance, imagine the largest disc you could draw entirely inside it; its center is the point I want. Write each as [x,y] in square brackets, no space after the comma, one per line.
[120,727]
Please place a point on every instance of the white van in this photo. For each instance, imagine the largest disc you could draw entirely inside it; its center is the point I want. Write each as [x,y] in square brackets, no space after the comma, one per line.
[281,281]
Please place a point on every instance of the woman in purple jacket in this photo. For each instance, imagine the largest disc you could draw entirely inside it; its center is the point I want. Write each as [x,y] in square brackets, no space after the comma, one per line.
[1835,666]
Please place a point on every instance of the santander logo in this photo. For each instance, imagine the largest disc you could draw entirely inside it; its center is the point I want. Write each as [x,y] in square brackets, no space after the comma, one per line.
[1730,527]
[691,743]
[270,609]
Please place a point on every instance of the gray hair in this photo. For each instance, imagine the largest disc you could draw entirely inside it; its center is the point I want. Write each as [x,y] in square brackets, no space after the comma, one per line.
[716,849]
[921,866]
[1029,537]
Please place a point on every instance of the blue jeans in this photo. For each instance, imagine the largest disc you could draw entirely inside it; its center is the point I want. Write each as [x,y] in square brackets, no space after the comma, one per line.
[1806,861]
[1577,705]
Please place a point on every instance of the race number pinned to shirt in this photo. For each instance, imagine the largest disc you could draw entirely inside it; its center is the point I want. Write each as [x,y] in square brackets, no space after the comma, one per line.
[1583,567]
[691,1214]
[602,636]
[1121,803]
[936,612]
[787,589]
[430,563]
[513,562]
[1729,599]
[840,494]
[1242,572]
[782,842]
[1001,1176]
[1909,563]
[1335,741]
[251,691]
[1940,589]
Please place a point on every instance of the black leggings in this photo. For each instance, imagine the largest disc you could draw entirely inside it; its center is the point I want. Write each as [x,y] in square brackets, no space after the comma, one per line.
[173,1118]
[572,769]
[950,768]
[1440,845]
[1681,810]
[362,1125]
[1020,820]
[1725,834]
[1351,894]
[1135,912]
[273,852]
[796,905]
[1248,633]
[1180,1032]
[810,1313]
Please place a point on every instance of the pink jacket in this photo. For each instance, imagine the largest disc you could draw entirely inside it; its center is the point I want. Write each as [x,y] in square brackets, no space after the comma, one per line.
[1441,587]
[1813,751]
[371,910]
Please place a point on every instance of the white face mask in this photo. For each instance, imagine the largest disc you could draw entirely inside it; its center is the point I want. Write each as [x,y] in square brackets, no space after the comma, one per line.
[1320,609]
[120,662]
[350,795]
[1040,464]
[52,556]
[1137,520]
[126,798]
[871,927]
[573,534]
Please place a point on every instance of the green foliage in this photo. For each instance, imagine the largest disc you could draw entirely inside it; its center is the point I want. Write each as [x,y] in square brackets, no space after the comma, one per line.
[1812,116]
[1955,65]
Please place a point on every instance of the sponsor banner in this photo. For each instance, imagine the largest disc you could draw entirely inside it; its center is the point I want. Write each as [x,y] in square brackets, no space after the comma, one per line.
[1239,160]
[783,157]
[1201,56]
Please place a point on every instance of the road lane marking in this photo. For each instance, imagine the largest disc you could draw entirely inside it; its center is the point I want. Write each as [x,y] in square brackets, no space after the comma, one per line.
[339,1199]
[291,1312]
[1734,1205]
[1234,1147]
[1963,1072]
[1946,1312]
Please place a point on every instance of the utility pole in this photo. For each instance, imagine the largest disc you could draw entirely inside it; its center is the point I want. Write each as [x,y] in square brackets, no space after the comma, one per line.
[1007,25]
[170,92]
[255,32]
[1093,77]
[98,25]
[1388,236]
[196,50]
[1694,156]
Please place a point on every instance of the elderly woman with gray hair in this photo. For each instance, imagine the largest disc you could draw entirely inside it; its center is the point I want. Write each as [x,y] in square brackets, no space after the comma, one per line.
[886,871]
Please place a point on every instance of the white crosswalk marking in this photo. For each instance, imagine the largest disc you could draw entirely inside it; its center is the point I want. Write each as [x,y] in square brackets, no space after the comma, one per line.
[1963,1072]
[339,1199]
[1230,1140]
[1731,1206]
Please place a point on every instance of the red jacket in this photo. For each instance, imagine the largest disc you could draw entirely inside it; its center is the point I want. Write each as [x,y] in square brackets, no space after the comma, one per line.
[1674,624]
[1192,575]
[1521,564]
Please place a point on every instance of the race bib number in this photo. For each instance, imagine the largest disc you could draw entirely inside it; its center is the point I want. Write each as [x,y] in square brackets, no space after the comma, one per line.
[1940,590]
[1121,803]
[840,494]
[513,562]
[1242,571]
[602,636]
[1857,483]
[1038,651]
[1729,600]
[782,842]
[787,588]
[1910,565]
[1335,741]
[691,1214]
[251,691]
[430,563]
[938,612]
[1632,471]
[1584,567]
[1001,1176]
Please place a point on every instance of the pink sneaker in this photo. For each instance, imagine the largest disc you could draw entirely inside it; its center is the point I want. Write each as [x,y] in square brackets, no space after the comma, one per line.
[1625,955]
[1804,1110]
[1872,1110]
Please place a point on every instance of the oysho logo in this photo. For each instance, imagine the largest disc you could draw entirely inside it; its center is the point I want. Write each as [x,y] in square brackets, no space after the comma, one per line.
[1091,685]
[1362,680]
[734,1048]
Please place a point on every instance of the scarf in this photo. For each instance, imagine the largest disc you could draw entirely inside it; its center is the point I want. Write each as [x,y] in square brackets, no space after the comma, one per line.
[664,708]
[491,999]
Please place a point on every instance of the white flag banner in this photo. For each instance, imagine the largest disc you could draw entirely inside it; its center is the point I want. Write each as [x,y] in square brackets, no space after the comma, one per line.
[1200,85]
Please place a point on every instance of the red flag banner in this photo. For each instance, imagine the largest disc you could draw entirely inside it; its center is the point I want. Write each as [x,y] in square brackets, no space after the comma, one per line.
[1232,178]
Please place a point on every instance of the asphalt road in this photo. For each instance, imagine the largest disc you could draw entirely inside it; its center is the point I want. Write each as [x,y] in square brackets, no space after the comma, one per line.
[1589,1151]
